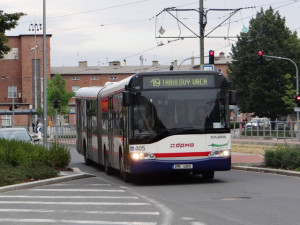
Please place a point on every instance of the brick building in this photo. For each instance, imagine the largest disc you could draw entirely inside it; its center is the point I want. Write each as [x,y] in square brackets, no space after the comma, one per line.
[17,84]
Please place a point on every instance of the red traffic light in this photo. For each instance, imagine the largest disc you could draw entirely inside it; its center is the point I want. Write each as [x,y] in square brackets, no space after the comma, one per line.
[211,57]
[297,100]
[10,107]
[260,53]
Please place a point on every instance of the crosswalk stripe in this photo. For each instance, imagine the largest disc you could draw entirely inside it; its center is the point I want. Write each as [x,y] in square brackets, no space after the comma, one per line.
[76,190]
[67,197]
[74,203]
[80,211]
[74,221]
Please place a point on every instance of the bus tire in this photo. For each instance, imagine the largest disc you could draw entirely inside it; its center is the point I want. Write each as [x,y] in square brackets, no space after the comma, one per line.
[127,177]
[107,168]
[86,159]
[208,175]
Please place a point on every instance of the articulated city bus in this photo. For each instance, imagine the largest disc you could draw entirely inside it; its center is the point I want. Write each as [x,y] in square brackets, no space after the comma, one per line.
[176,121]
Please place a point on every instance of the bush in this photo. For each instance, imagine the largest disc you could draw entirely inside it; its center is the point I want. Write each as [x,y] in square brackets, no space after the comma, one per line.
[283,156]
[59,155]
[23,161]
[18,174]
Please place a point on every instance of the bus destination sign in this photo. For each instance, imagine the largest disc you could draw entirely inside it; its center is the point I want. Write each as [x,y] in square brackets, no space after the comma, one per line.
[184,81]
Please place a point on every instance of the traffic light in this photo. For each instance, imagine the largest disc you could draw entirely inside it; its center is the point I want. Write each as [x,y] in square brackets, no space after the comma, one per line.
[297,100]
[55,103]
[211,57]
[10,107]
[260,56]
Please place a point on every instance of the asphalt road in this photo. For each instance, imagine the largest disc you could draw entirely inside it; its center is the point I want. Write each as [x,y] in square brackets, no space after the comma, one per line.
[233,197]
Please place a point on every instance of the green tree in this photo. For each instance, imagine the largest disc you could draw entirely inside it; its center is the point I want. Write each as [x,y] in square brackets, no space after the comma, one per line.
[57,91]
[265,89]
[7,22]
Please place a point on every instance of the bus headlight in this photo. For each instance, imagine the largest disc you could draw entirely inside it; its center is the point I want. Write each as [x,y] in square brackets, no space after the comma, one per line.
[219,153]
[142,155]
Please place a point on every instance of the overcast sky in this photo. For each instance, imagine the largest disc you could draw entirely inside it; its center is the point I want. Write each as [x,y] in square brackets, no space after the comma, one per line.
[99,31]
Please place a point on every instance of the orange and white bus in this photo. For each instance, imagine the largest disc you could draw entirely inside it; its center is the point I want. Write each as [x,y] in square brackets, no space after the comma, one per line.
[175,121]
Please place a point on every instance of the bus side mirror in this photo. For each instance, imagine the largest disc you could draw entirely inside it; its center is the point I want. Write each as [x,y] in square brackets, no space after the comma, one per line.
[127,98]
[232,97]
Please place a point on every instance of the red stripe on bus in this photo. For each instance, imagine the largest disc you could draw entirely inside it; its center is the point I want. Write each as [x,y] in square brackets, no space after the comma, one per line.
[181,154]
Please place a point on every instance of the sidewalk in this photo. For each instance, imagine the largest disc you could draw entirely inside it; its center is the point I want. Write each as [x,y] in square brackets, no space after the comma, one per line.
[255,162]
[260,141]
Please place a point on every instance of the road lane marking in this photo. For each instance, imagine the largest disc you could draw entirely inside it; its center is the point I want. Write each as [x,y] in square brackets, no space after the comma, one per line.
[74,203]
[67,197]
[76,190]
[80,211]
[74,221]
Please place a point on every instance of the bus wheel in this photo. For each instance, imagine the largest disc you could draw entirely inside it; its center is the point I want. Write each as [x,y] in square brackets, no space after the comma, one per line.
[86,159]
[208,175]
[107,168]
[126,176]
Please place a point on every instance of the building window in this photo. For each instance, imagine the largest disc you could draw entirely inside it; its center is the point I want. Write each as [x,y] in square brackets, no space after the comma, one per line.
[75,88]
[94,78]
[75,78]
[6,121]
[113,78]
[12,91]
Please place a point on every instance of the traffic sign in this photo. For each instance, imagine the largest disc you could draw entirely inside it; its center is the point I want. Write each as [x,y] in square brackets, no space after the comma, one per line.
[207,67]
[297,109]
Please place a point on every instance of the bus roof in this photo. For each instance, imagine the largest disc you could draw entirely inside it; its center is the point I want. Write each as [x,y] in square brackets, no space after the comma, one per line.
[120,86]
[88,92]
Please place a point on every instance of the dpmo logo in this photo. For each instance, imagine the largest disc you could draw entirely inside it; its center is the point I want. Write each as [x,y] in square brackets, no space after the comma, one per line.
[182,145]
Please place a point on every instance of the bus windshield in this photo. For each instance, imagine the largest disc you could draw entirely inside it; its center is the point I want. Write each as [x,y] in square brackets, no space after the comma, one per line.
[178,111]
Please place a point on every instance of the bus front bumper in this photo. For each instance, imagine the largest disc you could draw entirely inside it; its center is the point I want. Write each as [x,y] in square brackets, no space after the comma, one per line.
[195,166]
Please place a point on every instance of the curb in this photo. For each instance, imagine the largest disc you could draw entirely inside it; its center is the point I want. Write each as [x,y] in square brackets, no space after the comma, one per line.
[62,178]
[267,170]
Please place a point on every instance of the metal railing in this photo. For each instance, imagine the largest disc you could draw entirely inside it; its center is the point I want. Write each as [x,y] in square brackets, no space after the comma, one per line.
[270,130]
[63,133]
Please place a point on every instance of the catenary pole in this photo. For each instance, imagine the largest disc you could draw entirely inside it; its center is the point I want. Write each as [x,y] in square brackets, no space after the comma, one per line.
[201,32]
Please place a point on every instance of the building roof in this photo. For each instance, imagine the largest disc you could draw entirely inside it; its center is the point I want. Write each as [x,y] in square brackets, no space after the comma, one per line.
[115,67]
[80,70]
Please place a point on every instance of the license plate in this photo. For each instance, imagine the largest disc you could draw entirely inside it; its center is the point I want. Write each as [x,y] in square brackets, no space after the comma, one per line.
[182,166]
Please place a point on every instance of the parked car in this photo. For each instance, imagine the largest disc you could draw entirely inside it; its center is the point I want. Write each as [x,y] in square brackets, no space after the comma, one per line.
[19,134]
[265,123]
[260,123]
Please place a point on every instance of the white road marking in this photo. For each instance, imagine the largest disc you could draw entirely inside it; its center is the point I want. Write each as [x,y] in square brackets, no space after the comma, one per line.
[73,203]
[73,221]
[77,190]
[80,211]
[67,197]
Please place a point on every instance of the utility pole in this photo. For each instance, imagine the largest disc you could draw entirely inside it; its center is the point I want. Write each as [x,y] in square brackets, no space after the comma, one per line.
[45,77]
[201,32]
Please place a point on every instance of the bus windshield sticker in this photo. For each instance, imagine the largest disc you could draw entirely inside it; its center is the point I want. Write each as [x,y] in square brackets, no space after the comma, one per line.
[186,81]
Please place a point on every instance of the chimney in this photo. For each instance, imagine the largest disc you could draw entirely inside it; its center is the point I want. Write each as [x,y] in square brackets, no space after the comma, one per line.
[154,63]
[175,63]
[114,63]
[82,63]
[222,55]
[192,61]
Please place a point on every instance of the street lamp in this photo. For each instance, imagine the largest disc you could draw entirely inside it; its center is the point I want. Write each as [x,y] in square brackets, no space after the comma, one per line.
[35,27]
[297,83]
[13,100]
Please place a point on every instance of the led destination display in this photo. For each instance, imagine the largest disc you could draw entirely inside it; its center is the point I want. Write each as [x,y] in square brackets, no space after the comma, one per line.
[185,81]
